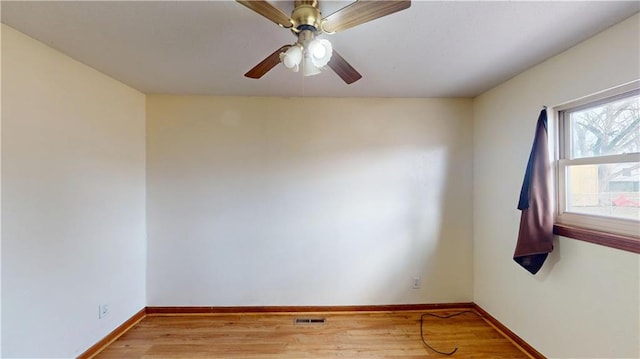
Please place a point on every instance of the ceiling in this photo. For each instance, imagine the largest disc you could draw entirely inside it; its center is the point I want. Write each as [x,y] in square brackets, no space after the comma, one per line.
[432,49]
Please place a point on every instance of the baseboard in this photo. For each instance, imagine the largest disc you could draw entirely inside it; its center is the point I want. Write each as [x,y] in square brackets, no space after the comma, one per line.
[524,346]
[202,310]
[115,334]
[306,309]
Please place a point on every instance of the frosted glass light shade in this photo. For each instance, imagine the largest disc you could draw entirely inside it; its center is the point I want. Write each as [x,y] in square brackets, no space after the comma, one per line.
[321,51]
[308,67]
[292,57]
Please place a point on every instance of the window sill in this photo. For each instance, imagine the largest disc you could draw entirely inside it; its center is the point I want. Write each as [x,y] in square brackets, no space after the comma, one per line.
[625,243]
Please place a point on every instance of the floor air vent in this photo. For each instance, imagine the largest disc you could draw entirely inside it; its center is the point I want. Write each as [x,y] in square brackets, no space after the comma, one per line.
[307,321]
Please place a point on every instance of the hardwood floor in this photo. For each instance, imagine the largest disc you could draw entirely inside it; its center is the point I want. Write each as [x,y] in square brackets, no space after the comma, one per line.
[391,335]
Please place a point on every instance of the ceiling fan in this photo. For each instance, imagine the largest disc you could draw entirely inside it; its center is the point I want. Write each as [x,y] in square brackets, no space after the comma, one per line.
[309,52]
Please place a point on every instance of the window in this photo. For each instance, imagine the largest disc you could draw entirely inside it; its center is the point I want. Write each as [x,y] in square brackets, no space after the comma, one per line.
[598,166]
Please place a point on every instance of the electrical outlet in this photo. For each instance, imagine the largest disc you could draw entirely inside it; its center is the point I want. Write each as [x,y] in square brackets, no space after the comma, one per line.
[417,283]
[103,310]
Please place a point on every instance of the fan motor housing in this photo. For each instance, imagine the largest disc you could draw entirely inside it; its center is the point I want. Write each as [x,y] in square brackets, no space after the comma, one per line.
[306,14]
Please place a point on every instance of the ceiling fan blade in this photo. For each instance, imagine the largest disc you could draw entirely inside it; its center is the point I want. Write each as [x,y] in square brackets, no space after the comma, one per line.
[341,67]
[360,12]
[267,64]
[269,11]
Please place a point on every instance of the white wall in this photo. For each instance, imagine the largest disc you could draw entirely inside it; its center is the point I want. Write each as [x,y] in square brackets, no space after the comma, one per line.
[0,194]
[299,201]
[73,201]
[585,302]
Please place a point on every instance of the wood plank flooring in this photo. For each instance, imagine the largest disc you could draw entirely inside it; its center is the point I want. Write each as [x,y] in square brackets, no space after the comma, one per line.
[390,335]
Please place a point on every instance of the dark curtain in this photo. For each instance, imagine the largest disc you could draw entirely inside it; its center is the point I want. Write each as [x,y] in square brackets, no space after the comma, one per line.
[535,237]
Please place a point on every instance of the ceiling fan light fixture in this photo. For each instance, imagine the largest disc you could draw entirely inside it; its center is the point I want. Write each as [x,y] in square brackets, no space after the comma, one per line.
[306,21]
[292,58]
[308,67]
[321,51]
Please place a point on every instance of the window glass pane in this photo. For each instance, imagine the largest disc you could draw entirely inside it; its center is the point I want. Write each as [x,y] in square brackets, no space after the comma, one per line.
[611,190]
[609,129]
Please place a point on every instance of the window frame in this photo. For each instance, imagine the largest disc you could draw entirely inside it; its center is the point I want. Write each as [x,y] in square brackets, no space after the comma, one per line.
[608,231]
